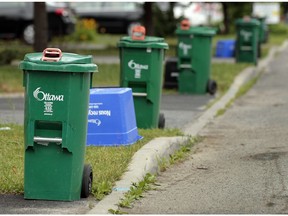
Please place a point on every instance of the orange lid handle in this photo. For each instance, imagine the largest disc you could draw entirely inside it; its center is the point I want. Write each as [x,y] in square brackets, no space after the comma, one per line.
[185,24]
[51,54]
[138,33]
[247,18]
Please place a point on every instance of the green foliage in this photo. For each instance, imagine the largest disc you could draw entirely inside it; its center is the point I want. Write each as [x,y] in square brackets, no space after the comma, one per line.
[112,211]
[8,55]
[163,163]
[247,86]
[11,79]
[102,189]
[278,29]
[108,75]
[11,160]
[225,73]
[137,189]
[85,31]
[108,163]
[237,10]
[164,21]
[179,155]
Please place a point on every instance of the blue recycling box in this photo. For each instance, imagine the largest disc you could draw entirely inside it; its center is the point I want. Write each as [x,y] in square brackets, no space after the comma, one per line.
[111,117]
[225,48]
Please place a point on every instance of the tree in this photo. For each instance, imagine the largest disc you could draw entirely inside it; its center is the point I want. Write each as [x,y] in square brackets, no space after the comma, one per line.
[147,19]
[157,21]
[40,27]
[164,21]
[233,11]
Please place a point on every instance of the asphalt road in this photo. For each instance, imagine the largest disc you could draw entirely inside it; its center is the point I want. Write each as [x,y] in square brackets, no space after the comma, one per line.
[240,167]
[12,110]
[178,109]
[15,204]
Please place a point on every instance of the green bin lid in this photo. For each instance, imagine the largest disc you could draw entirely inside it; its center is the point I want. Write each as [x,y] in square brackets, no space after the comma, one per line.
[204,31]
[250,22]
[148,42]
[68,62]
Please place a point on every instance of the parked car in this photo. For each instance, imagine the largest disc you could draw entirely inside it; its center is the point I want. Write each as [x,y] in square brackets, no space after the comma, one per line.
[111,17]
[16,20]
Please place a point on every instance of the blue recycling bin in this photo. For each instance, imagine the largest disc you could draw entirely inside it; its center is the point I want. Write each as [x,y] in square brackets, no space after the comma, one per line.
[225,49]
[111,117]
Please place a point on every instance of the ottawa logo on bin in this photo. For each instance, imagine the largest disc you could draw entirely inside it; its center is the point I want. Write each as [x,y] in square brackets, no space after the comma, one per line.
[246,35]
[185,47]
[137,68]
[42,96]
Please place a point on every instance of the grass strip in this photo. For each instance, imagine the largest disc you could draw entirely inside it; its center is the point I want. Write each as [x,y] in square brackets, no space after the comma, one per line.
[108,163]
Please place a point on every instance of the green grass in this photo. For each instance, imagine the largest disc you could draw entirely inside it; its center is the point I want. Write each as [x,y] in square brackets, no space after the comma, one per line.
[11,79]
[11,159]
[109,163]
[225,73]
[137,189]
[108,75]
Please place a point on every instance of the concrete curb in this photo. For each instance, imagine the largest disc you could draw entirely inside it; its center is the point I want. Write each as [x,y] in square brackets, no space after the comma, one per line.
[146,159]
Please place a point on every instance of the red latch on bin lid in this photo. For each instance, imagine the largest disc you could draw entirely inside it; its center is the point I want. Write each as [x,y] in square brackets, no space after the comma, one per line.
[138,33]
[51,54]
[247,18]
[185,24]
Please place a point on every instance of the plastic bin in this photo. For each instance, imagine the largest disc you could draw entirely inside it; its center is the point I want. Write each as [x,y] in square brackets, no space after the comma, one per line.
[263,29]
[141,68]
[111,117]
[225,49]
[55,125]
[247,40]
[194,59]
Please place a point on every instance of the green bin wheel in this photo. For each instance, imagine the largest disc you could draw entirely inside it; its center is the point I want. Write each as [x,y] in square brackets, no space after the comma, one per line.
[211,87]
[161,122]
[87,180]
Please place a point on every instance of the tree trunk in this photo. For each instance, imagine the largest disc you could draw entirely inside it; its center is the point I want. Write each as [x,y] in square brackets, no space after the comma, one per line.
[40,27]
[226,18]
[148,23]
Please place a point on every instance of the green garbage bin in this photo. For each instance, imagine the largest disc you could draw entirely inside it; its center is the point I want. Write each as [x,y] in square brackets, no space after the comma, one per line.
[141,69]
[247,40]
[55,125]
[194,59]
[263,29]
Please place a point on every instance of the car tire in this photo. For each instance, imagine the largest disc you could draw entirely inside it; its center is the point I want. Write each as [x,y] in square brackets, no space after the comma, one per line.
[28,34]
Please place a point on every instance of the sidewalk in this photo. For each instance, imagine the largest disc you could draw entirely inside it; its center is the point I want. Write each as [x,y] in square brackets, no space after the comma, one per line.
[240,166]
[146,159]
